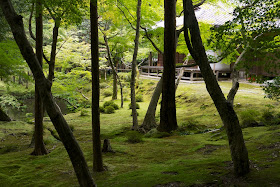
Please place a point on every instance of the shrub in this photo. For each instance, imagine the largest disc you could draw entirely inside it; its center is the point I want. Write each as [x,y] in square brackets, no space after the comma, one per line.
[107,93]
[112,104]
[103,85]
[109,110]
[139,98]
[249,118]
[102,109]
[134,137]
[137,106]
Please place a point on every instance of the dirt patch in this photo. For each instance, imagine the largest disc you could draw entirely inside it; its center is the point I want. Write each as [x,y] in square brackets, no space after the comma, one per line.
[170,184]
[208,149]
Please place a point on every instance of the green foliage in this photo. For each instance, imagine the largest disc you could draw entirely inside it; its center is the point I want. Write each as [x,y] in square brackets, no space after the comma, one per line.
[254,30]
[109,109]
[134,137]
[139,98]
[137,106]
[107,93]
[126,77]
[9,101]
[11,60]
[272,89]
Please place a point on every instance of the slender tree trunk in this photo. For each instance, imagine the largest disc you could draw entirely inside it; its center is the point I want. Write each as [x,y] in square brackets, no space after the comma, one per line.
[134,66]
[168,121]
[4,116]
[53,50]
[115,86]
[39,148]
[149,120]
[238,149]
[64,131]
[97,154]
[115,74]
[235,79]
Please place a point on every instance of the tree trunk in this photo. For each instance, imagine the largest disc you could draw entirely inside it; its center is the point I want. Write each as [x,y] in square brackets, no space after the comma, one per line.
[238,149]
[149,120]
[97,155]
[64,131]
[39,146]
[235,79]
[134,66]
[115,74]
[168,121]
[115,86]
[4,116]
[53,50]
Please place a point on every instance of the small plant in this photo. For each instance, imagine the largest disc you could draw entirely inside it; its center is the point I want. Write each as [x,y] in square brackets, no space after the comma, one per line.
[111,103]
[137,106]
[107,93]
[134,137]
[84,112]
[29,118]
[109,110]
[139,98]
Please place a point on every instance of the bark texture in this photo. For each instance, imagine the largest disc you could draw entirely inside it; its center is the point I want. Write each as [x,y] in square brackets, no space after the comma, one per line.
[134,66]
[39,146]
[230,120]
[4,116]
[168,121]
[65,133]
[97,154]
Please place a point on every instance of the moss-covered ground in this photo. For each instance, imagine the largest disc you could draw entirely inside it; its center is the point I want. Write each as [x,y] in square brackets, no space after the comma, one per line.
[195,155]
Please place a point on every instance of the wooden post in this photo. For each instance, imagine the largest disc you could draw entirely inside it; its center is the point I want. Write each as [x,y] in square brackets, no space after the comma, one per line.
[191,78]
[217,75]
[151,59]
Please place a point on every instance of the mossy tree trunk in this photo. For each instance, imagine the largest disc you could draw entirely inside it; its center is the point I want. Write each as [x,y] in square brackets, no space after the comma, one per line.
[71,145]
[97,154]
[134,66]
[168,120]
[230,120]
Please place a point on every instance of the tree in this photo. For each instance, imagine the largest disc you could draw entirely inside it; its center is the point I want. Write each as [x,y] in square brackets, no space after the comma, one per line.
[97,154]
[39,148]
[249,39]
[168,121]
[238,149]
[64,131]
[134,66]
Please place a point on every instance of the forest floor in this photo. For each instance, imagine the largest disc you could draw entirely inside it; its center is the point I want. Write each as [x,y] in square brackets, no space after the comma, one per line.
[197,154]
